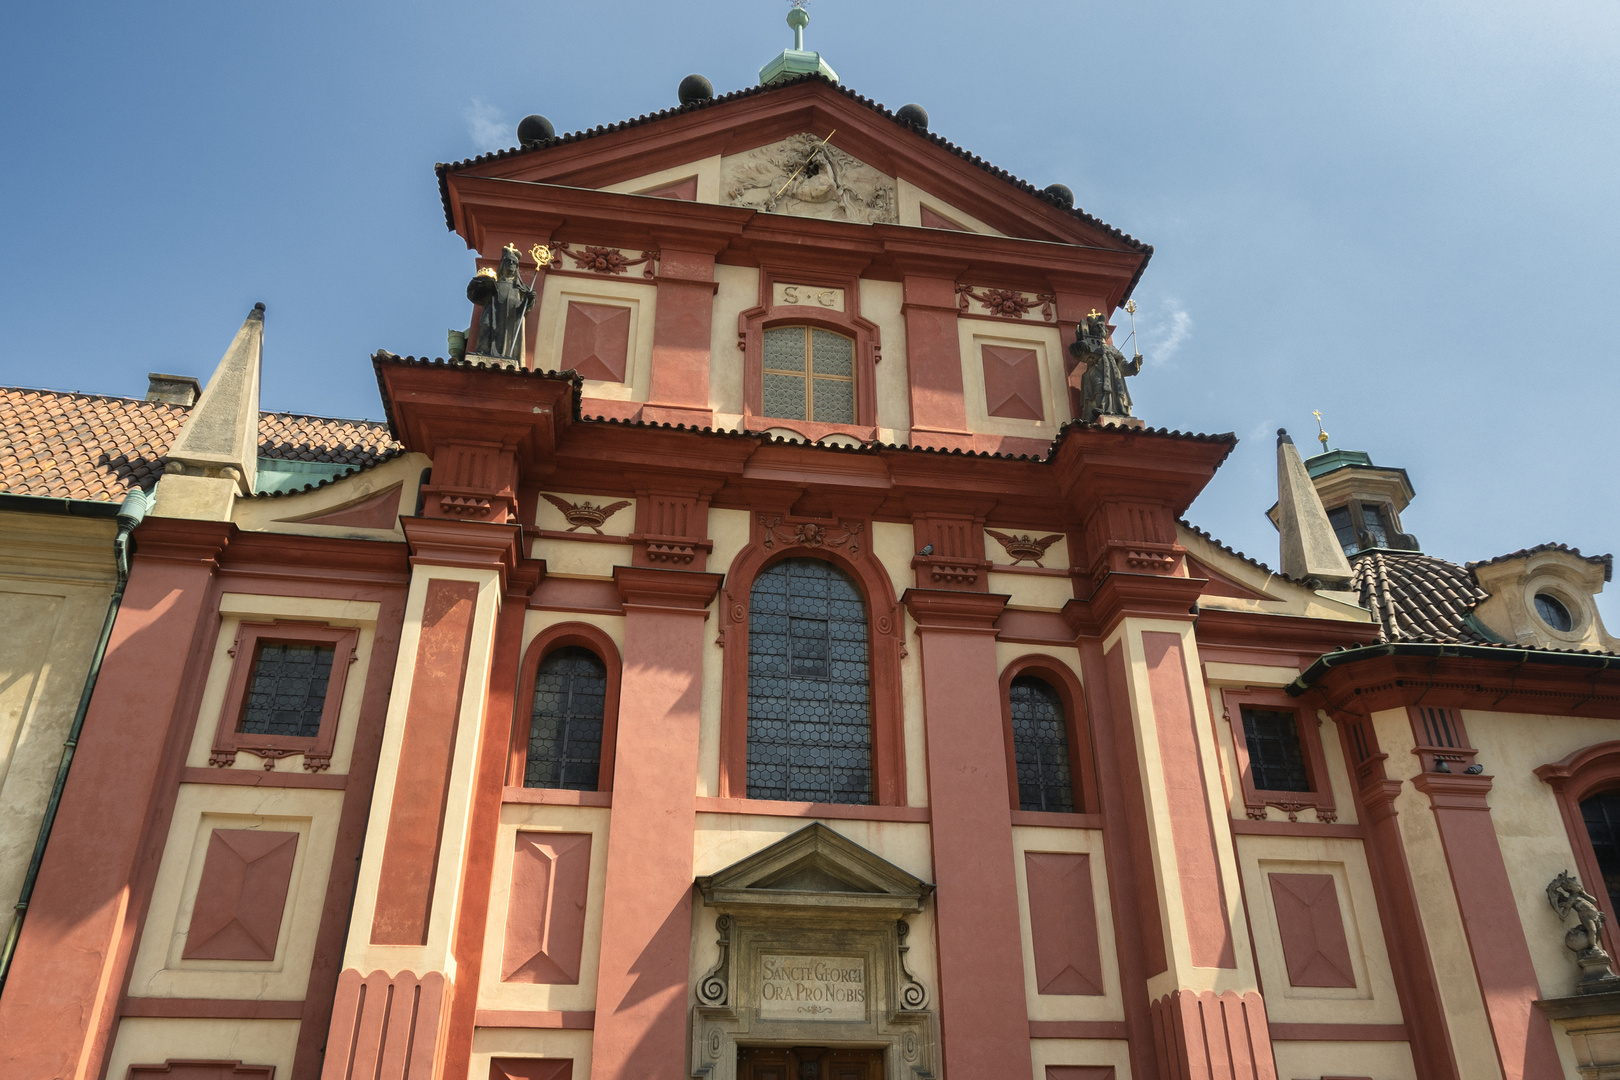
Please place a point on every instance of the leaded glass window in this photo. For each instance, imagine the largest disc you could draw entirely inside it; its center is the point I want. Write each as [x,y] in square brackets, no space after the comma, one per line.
[1040,746]
[287,692]
[565,725]
[809,375]
[809,711]
[1602,815]
[1276,759]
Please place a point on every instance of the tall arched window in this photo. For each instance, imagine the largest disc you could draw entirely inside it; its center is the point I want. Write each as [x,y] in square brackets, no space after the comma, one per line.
[1040,735]
[565,725]
[1601,814]
[809,701]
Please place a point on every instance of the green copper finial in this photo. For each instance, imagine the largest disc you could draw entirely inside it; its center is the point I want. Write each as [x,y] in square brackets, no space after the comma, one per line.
[797,60]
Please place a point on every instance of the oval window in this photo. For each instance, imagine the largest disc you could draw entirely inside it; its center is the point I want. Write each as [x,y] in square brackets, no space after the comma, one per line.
[1554,613]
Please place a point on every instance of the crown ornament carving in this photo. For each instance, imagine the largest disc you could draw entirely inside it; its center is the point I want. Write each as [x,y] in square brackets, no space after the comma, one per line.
[1024,548]
[585,515]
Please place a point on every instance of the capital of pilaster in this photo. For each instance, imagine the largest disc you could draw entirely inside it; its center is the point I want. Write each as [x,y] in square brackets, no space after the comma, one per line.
[948,609]
[1140,596]
[679,590]
[1452,791]
[473,545]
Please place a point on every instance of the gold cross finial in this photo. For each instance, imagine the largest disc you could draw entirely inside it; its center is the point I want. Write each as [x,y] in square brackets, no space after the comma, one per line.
[1093,313]
[1321,435]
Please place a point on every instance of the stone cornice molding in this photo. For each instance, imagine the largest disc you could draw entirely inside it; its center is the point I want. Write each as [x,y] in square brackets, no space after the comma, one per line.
[685,591]
[940,609]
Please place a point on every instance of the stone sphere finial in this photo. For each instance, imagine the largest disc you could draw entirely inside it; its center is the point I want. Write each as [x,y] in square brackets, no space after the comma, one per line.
[913,114]
[535,128]
[695,88]
[1060,194]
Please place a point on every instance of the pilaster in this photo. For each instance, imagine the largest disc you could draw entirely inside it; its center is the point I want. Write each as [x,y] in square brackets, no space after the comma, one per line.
[392,1016]
[645,962]
[60,1002]
[981,972]
[1496,941]
[934,359]
[679,393]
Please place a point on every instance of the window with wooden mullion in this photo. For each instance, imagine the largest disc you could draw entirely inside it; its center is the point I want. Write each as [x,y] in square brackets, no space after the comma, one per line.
[809,374]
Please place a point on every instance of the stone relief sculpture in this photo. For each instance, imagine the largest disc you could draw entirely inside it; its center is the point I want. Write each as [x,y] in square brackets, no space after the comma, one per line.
[805,177]
[1567,897]
[1102,389]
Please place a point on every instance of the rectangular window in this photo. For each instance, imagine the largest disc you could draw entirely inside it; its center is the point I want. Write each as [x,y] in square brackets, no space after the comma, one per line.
[284,694]
[287,693]
[1374,521]
[809,374]
[1344,529]
[1276,759]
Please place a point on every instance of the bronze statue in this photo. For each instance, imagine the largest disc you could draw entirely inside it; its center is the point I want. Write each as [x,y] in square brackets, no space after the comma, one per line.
[506,300]
[1102,388]
[1566,896]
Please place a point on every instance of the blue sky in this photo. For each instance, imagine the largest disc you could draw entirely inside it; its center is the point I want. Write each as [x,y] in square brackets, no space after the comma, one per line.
[1406,215]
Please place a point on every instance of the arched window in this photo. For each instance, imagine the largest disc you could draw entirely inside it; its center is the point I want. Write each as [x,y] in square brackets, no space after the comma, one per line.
[1601,814]
[809,374]
[565,721]
[1040,734]
[809,701]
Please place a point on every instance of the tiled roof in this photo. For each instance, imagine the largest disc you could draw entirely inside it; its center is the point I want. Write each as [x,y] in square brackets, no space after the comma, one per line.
[1417,597]
[444,168]
[1606,561]
[90,446]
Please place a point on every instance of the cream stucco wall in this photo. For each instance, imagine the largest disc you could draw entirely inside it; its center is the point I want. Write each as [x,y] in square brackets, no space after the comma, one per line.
[56,579]
[738,290]
[252,1042]
[883,302]
[1437,902]
[1384,1061]
[1110,1005]
[633,293]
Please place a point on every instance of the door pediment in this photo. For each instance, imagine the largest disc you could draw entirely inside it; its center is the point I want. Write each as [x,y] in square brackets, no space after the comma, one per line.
[816,869]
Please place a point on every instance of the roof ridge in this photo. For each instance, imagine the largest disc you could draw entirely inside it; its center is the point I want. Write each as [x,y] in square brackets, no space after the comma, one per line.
[442,169]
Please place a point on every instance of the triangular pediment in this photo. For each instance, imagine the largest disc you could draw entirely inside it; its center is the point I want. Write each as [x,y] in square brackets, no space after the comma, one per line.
[731,151]
[816,868]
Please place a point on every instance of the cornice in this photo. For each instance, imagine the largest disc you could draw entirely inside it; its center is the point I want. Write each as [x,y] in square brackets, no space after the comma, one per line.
[684,590]
[942,609]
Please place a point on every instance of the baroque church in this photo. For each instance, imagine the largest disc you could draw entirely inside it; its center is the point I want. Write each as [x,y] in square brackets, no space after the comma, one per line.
[770,646]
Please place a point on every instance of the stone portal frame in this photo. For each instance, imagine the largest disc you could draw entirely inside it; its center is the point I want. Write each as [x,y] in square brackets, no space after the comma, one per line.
[316,749]
[847,545]
[1307,724]
[845,319]
[1082,762]
[813,894]
[552,638]
[1579,776]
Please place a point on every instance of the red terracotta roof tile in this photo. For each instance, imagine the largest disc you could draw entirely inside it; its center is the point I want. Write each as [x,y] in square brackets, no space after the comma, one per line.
[90,446]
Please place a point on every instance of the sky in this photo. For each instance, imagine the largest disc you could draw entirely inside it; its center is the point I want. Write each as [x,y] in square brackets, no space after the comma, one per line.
[1405,215]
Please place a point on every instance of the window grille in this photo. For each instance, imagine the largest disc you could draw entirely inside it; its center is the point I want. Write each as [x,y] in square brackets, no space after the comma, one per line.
[1276,760]
[1374,521]
[1344,529]
[288,689]
[1602,815]
[809,712]
[809,374]
[1040,746]
[565,726]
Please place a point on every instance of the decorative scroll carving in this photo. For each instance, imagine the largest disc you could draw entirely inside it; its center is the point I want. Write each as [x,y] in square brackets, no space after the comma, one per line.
[713,989]
[586,515]
[608,260]
[846,534]
[1007,303]
[913,995]
[1024,548]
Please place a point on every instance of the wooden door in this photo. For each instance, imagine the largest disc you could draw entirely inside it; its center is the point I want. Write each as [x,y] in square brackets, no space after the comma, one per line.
[808,1063]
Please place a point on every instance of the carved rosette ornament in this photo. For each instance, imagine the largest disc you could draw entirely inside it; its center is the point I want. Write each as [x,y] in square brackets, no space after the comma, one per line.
[1007,303]
[607,260]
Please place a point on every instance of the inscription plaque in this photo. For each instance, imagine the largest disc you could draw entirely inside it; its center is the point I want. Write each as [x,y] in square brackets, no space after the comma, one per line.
[812,987]
[807,296]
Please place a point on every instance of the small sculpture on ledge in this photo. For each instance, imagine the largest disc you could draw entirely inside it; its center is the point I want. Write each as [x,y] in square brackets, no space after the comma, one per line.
[1102,389]
[1566,896]
[506,301]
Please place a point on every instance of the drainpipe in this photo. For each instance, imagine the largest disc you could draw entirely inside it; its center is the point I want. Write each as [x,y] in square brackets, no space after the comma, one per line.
[130,513]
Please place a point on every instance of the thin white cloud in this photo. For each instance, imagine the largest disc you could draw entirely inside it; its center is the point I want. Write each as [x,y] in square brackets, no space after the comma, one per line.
[1179,328]
[487,128]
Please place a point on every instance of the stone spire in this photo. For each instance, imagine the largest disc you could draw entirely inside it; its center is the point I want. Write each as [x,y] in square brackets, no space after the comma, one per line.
[216,456]
[1309,547]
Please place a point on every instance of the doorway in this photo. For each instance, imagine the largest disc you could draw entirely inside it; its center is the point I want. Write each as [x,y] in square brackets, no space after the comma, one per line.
[808,1063]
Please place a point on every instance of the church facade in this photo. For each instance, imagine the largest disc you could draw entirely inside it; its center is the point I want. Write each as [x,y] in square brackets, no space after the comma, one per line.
[763,649]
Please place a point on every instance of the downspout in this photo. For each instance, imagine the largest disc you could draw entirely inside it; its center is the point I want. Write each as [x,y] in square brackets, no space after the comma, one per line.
[130,513]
